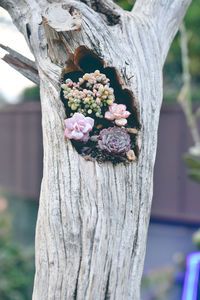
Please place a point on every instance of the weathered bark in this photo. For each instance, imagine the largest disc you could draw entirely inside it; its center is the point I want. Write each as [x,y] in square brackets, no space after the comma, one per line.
[93,219]
[21,64]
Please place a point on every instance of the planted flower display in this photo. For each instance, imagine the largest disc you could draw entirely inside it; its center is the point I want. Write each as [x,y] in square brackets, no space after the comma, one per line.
[92,95]
[78,127]
[96,123]
[114,141]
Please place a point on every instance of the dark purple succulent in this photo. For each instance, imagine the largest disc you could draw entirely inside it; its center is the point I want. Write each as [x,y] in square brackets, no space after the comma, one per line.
[114,141]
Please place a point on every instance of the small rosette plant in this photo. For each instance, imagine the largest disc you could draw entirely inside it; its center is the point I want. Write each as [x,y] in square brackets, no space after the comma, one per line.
[92,95]
[78,127]
[118,113]
[114,141]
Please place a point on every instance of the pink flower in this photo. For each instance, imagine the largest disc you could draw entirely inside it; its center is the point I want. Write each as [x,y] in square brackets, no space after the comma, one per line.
[118,113]
[78,127]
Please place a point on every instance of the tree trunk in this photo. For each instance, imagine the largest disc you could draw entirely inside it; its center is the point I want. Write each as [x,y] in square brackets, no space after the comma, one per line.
[93,218]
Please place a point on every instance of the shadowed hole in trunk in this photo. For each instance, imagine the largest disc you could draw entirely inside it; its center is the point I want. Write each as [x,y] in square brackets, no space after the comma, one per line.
[85,61]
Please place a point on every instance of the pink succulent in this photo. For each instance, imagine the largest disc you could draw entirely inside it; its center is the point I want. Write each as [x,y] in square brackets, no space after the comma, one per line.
[118,113]
[78,127]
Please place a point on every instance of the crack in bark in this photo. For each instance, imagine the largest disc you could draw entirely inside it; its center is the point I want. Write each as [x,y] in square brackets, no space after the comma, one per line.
[107,294]
[80,260]
[112,17]
[76,285]
[28,31]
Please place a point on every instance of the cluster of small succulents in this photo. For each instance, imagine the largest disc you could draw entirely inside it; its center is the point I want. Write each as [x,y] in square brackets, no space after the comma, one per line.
[92,95]
[92,98]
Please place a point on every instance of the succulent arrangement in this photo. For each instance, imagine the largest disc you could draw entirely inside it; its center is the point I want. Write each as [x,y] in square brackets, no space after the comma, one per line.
[90,96]
[98,126]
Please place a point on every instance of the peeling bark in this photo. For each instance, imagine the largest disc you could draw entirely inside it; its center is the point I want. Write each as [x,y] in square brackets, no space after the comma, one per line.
[93,218]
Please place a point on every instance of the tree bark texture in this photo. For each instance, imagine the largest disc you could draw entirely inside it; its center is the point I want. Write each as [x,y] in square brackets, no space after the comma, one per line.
[93,218]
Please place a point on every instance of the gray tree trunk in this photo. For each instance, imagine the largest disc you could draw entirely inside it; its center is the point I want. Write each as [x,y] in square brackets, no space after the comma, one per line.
[93,219]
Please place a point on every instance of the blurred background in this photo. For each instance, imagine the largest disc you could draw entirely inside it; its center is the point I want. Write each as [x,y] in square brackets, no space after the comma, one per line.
[175,218]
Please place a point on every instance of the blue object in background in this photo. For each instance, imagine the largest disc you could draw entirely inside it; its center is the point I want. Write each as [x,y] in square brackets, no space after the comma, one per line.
[164,241]
[190,288]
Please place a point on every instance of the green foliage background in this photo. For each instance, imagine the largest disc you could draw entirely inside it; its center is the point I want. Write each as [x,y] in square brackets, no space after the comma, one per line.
[173,67]
[16,265]
[192,22]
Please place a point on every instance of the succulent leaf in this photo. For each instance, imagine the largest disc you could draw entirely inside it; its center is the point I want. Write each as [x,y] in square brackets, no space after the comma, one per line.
[114,141]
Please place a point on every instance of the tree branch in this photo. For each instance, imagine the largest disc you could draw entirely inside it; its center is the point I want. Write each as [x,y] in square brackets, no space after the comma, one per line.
[185,97]
[167,16]
[5,4]
[22,64]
